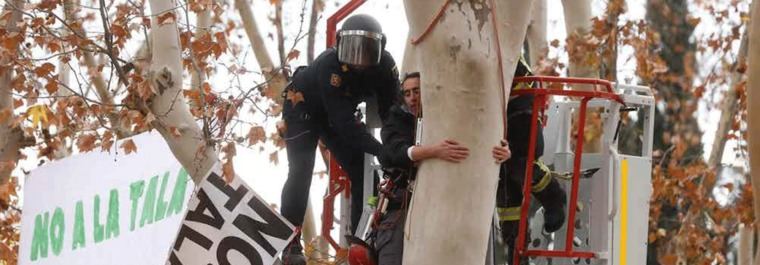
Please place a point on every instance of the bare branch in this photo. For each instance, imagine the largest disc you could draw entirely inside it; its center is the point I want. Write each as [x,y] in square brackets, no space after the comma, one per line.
[260,51]
[109,44]
[313,19]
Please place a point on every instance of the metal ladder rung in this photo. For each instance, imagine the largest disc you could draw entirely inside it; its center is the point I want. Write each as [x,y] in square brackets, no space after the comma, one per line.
[559,254]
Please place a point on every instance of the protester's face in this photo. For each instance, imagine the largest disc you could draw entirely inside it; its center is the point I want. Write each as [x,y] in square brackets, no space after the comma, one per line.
[411,90]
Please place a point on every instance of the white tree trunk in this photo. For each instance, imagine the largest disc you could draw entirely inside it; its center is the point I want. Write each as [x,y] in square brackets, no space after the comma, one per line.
[169,106]
[64,72]
[745,245]
[753,109]
[276,81]
[409,62]
[728,108]
[453,204]
[203,22]
[536,34]
[512,19]
[578,22]
[10,139]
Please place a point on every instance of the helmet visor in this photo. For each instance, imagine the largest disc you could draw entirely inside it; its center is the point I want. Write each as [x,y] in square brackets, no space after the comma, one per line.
[360,48]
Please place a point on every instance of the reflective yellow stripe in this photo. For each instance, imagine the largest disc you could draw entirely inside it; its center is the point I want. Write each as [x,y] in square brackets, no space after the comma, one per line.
[522,85]
[518,86]
[545,180]
[509,214]
[623,211]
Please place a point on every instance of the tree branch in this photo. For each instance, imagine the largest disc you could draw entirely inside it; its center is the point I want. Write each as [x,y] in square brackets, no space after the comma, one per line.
[316,9]
[260,51]
[728,106]
[10,138]
[97,79]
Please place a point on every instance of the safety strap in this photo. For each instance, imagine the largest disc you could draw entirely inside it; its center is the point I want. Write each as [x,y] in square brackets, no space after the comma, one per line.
[545,179]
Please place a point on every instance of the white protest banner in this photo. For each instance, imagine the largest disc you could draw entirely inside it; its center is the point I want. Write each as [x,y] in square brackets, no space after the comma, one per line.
[228,223]
[105,208]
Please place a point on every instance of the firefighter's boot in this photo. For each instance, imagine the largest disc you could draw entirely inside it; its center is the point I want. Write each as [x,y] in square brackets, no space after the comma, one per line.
[551,196]
[509,231]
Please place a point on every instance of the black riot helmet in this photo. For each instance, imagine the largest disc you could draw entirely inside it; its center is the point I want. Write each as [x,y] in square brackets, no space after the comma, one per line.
[360,41]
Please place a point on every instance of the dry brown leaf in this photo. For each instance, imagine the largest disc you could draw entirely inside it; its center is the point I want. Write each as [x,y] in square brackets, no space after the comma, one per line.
[52,86]
[145,90]
[273,158]
[86,142]
[256,135]
[128,146]
[175,132]
[294,97]
[228,171]
[44,70]
[555,43]
[106,141]
[167,18]
[293,54]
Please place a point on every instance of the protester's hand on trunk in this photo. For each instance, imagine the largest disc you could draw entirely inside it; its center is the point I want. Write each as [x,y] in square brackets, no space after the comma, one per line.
[501,152]
[450,150]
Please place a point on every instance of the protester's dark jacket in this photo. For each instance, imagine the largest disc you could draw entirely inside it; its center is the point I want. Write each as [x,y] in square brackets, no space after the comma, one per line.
[331,92]
[397,135]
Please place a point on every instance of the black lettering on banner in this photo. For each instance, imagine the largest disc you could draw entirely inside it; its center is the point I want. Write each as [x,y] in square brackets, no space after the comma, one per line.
[235,195]
[173,260]
[242,247]
[274,226]
[189,233]
[199,213]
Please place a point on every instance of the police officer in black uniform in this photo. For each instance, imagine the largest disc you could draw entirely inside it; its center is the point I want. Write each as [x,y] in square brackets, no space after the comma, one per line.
[321,104]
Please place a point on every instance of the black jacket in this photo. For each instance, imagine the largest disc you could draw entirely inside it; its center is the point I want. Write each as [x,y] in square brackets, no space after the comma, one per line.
[397,135]
[332,91]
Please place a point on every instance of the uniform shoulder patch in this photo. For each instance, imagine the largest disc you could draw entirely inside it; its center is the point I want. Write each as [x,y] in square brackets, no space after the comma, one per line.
[335,80]
[395,71]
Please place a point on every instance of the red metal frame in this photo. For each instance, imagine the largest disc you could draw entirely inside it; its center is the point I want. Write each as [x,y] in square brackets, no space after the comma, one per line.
[338,179]
[538,106]
[339,182]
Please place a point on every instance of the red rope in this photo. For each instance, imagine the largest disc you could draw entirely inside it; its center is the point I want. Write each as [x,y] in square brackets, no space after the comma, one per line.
[501,69]
[431,24]
[435,21]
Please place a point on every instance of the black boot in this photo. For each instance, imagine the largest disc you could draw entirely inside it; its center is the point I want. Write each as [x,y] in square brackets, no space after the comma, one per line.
[554,200]
[293,253]
[509,230]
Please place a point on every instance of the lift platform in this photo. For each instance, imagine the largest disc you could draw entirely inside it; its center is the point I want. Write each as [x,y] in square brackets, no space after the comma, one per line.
[615,201]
